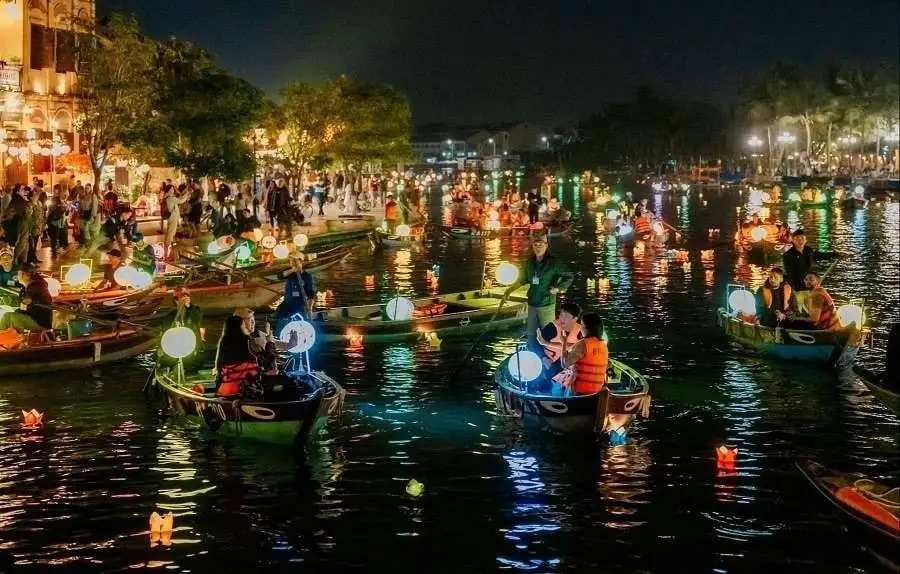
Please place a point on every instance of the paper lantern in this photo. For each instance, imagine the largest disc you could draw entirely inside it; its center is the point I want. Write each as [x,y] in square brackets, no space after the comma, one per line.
[212,248]
[53,286]
[32,419]
[281,251]
[403,230]
[298,333]
[242,253]
[269,241]
[124,276]
[141,280]
[178,342]
[742,301]
[506,273]
[257,234]
[301,240]
[399,309]
[850,314]
[78,274]
[758,233]
[524,366]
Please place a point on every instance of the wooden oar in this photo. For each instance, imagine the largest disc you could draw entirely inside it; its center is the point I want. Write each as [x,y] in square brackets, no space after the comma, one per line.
[484,330]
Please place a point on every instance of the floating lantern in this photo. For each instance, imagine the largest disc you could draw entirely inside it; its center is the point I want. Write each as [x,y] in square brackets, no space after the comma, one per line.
[399,309]
[713,233]
[591,284]
[726,457]
[402,230]
[78,274]
[850,314]
[269,242]
[707,255]
[603,284]
[433,340]
[161,528]
[639,248]
[355,339]
[280,251]
[663,265]
[415,488]
[507,273]
[742,302]
[524,366]
[301,240]
[299,334]
[124,275]
[178,342]
[53,286]
[32,419]
[618,437]
[709,275]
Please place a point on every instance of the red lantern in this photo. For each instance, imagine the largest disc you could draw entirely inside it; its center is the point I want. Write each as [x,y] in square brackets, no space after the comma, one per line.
[725,460]
[32,419]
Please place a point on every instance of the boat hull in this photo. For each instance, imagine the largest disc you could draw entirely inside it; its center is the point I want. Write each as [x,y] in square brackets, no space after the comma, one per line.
[874,383]
[84,353]
[347,223]
[385,239]
[835,348]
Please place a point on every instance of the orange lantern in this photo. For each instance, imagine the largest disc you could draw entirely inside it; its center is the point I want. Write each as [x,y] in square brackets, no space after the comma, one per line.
[725,460]
[161,529]
[32,419]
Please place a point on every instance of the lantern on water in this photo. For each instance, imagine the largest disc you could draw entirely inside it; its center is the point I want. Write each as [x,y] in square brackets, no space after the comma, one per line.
[178,342]
[32,419]
[403,230]
[53,286]
[78,274]
[524,366]
[507,273]
[280,251]
[299,334]
[301,240]
[742,301]
[758,233]
[399,309]
[124,276]
[850,314]
[269,242]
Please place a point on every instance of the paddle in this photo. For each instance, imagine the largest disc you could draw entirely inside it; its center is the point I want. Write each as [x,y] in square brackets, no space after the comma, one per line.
[480,336]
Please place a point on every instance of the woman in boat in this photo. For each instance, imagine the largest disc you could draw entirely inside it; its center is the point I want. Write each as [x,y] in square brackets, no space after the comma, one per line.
[35,312]
[237,366]
[773,299]
[589,357]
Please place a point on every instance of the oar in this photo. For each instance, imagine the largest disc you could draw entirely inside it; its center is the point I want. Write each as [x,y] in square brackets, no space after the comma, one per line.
[827,271]
[480,336]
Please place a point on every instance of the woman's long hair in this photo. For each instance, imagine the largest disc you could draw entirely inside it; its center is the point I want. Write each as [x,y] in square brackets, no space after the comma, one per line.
[593,325]
[233,343]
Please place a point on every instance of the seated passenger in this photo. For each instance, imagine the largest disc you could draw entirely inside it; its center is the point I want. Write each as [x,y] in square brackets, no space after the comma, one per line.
[558,336]
[642,225]
[589,356]
[35,312]
[143,255]
[820,305]
[9,275]
[773,299]
[236,366]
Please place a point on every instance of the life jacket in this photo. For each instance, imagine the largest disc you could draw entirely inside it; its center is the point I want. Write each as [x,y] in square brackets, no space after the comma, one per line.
[590,370]
[781,302]
[233,378]
[571,338]
[828,319]
[390,211]
[642,225]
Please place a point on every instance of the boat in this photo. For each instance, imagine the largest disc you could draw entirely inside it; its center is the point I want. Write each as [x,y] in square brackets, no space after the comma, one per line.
[625,395]
[293,421]
[835,348]
[383,238]
[443,315]
[94,350]
[455,232]
[313,262]
[876,384]
[349,223]
[559,228]
[853,203]
[212,298]
[103,301]
[871,509]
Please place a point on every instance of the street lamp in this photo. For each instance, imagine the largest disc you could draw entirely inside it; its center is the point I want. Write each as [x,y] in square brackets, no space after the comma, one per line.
[546,141]
[493,146]
[452,150]
[754,142]
[786,138]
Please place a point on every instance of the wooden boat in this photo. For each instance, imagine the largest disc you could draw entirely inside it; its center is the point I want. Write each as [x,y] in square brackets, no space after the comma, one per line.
[460,313]
[557,229]
[313,262]
[212,298]
[101,301]
[348,223]
[98,349]
[455,232]
[876,384]
[853,203]
[292,421]
[836,348]
[871,510]
[384,239]
[626,395]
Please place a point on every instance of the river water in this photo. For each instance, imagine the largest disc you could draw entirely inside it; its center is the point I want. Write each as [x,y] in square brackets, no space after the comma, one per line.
[76,496]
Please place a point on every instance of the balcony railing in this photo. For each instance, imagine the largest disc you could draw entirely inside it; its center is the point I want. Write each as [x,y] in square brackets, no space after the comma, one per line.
[10,77]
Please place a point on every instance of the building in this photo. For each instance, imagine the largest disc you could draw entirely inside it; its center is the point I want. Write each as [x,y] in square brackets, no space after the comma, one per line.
[38,64]
[490,146]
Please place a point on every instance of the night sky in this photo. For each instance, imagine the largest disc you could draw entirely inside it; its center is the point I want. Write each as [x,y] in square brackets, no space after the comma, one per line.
[546,62]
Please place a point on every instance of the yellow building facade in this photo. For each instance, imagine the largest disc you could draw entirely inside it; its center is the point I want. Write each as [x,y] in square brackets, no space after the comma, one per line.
[38,87]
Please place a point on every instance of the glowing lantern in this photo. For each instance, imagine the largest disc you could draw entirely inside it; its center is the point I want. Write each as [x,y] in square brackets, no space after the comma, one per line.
[78,274]
[402,230]
[639,248]
[32,419]
[433,340]
[269,242]
[242,253]
[161,528]
[706,254]
[524,366]
[124,276]
[742,301]
[493,225]
[399,309]
[794,197]
[280,251]
[178,342]
[301,240]
[850,314]
[257,234]
[53,286]
[726,458]
[859,191]
[758,233]
[298,333]
[415,488]
[506,273]
[212,248]
[141,280]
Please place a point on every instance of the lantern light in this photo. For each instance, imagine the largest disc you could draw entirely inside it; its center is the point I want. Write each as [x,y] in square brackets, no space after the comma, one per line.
[742,301]
[212,248]
[403,230]
[53,286]
[124,275]
[794,197]
[298,333]
[242,253]
[524,366]
[850,314]
[178,342]
[301,240]
[257,234]
[78,274]
[269,242]
[280,251]
[141,280]
[399,309]
[507,273]
[758,233]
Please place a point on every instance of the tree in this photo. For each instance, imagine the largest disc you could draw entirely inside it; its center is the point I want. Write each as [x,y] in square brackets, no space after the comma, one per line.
[114,83]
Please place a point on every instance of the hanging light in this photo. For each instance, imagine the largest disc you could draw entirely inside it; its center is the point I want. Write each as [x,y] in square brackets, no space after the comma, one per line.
[524,366]
[280,251]
[269,242]
[301,240]
[399,309]
[178,342]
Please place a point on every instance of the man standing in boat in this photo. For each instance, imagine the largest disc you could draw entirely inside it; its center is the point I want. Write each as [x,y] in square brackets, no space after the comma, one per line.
[299,292]
[547,277]
[798,262]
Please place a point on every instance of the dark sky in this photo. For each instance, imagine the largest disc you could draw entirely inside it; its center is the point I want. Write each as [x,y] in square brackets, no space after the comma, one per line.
[549,61]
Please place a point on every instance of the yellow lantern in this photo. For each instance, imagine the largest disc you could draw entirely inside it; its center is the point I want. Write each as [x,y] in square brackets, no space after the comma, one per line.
[78,274]
[280,251]
[269,242]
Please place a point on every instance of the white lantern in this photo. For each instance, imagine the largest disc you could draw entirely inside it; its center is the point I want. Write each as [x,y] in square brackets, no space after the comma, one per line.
[299,334]
[403,230]
[507,273]
[758,234]
[850,314]
[742,301]
[141,279]
[124,276]
[400,309]
[53,286]
[280,251]
[269,242]
[301,240]
[178,342]
[524,366]
[78,274]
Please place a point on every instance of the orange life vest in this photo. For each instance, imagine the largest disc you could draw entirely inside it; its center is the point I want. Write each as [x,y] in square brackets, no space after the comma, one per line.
[390,210]
[571,338]
[233,378]
[642,225]
[828,319]
[590,370]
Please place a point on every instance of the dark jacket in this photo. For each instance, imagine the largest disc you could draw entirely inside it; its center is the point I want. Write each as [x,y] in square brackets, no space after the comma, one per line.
[797,265]
[550,272]
[294,300]
[39,309]
[234,350]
